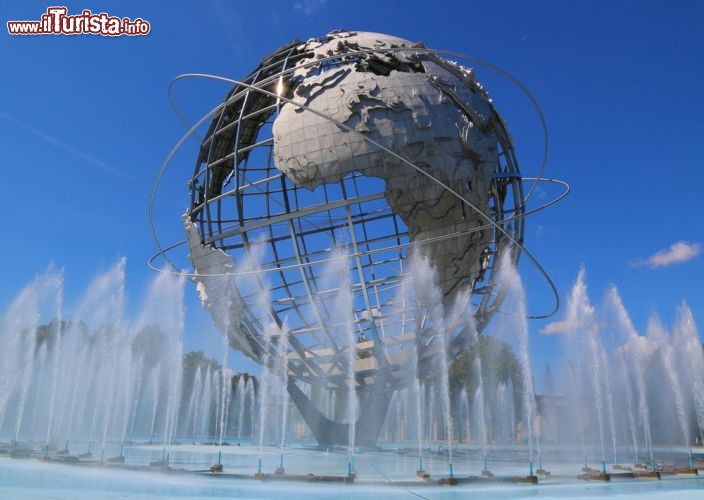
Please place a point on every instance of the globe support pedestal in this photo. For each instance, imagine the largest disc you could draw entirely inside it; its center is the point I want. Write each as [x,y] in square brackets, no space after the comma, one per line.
[329,433]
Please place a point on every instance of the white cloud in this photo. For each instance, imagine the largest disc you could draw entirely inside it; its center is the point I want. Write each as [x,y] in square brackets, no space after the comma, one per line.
[558,327]
[678,253]
[308,6]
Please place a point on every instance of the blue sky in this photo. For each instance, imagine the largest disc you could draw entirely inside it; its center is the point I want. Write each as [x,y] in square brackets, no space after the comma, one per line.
[85,124]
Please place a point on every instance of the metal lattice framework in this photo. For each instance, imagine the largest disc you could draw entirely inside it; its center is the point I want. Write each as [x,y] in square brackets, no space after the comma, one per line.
[271,251]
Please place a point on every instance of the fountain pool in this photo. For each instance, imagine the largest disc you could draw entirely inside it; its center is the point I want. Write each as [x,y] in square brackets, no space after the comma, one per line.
[387,472]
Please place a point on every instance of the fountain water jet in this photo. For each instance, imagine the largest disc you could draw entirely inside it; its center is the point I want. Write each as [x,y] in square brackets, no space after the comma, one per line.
[282,369]
[515,302]
[657,332]
[634,354]
[687,342]
[82,377]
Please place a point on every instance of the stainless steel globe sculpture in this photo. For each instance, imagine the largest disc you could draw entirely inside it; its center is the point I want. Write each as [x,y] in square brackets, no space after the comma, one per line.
[364,149]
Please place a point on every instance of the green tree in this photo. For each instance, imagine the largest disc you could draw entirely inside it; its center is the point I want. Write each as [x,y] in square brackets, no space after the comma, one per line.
[498,365]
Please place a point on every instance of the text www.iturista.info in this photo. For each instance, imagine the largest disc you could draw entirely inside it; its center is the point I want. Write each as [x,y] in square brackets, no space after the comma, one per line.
[56,21]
